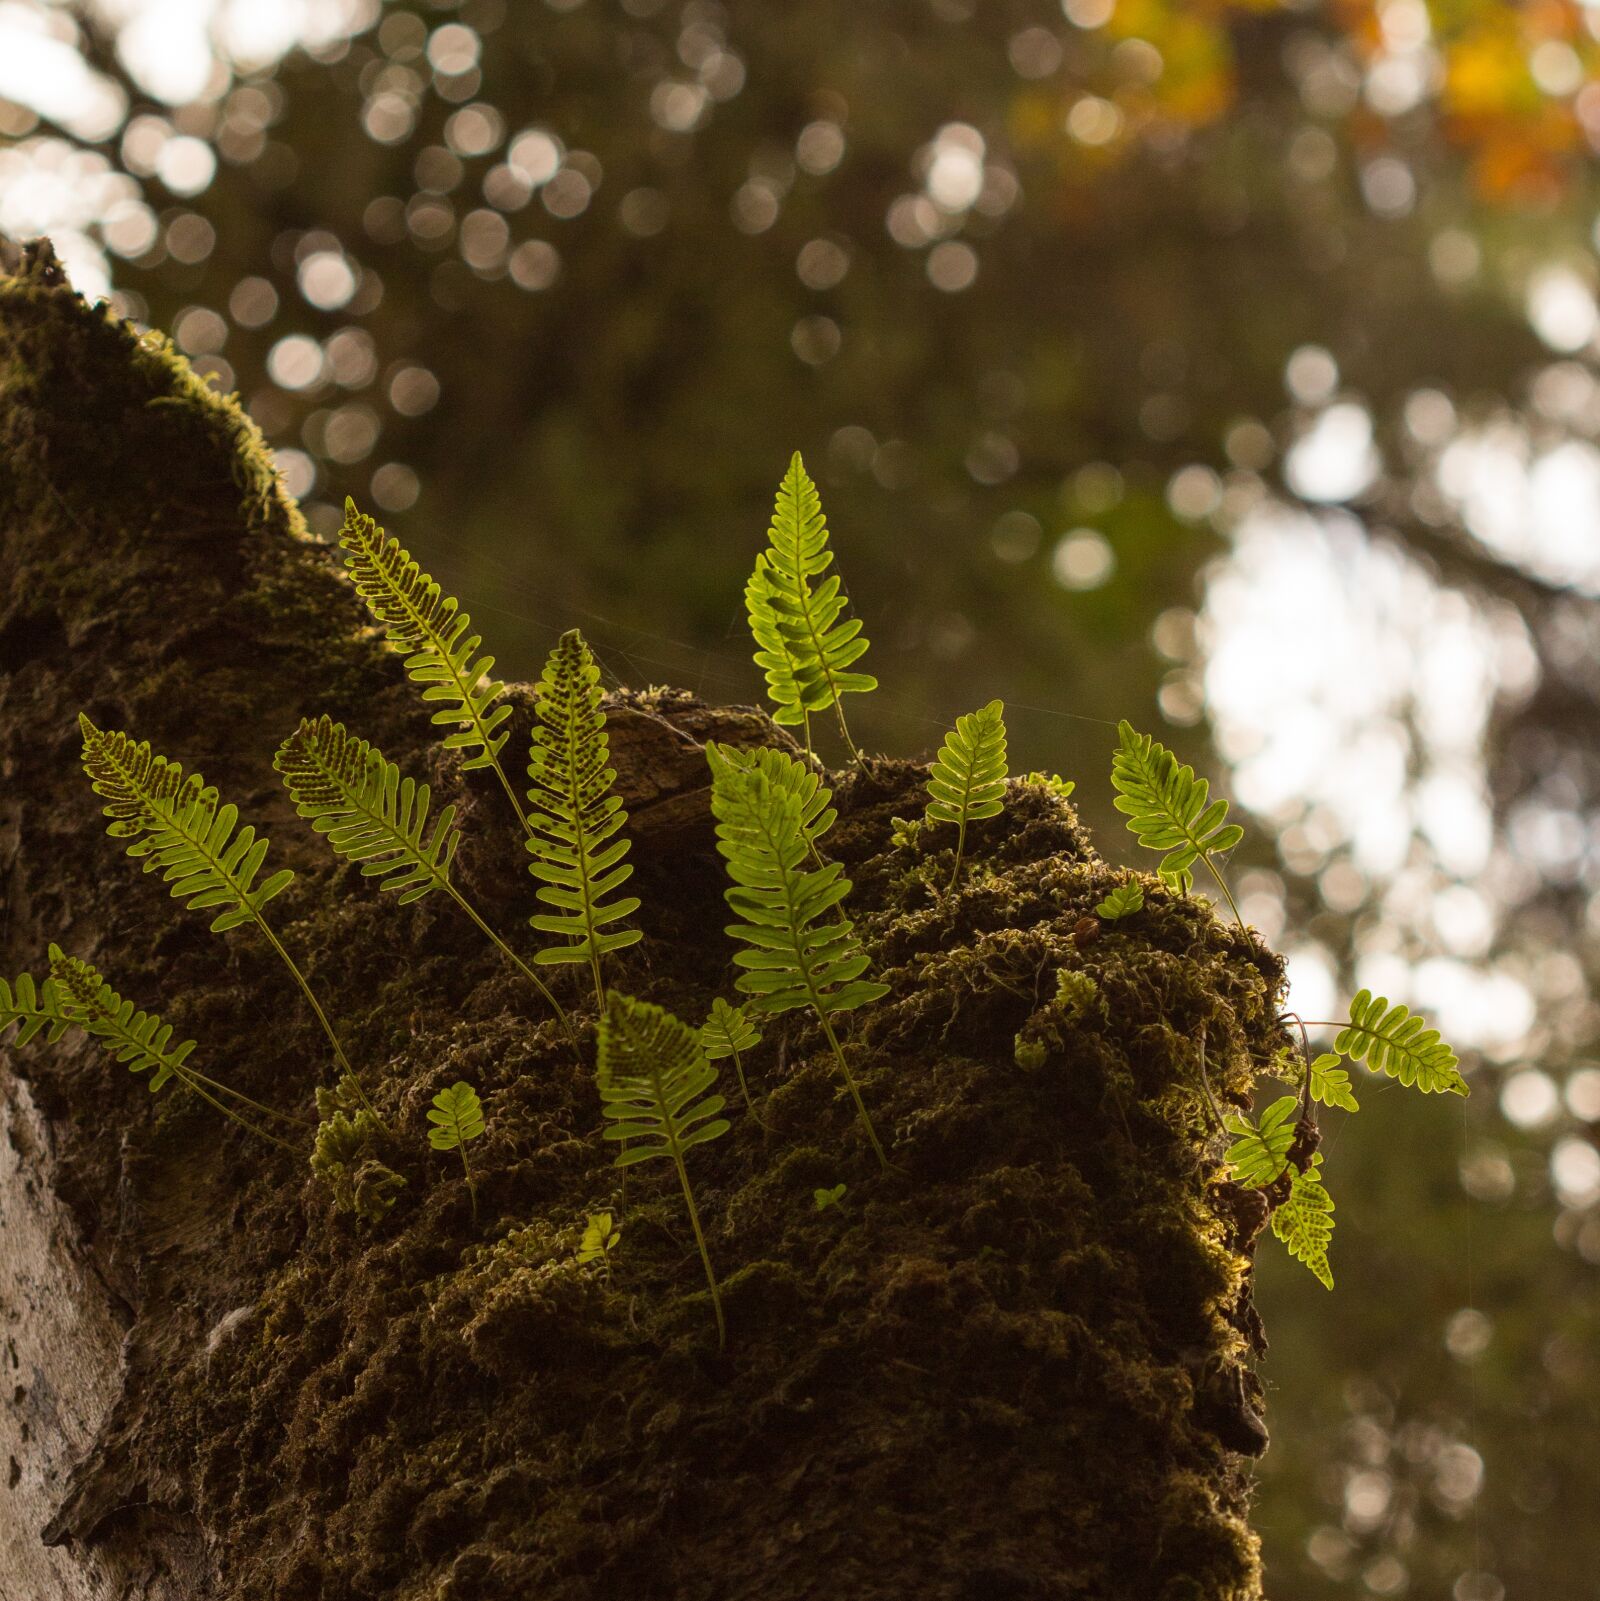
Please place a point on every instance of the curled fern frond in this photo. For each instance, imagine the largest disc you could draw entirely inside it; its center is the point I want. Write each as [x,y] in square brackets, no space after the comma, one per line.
[1330,1084]
[1170,810]
[1261,1152]
[793,957]
[1123,901]
[457,1117]
[351,792]
[820,644]
[576,817]
[442,652]
[968,780]
[33,1009]
[773,653]
[728,1032]
[653,1077]
[1305,1221]
[1395,1041]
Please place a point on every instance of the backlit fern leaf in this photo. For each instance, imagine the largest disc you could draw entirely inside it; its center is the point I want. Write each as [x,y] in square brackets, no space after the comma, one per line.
[1170,810]
[353,794]
[1305,1221]
[773,654]
[1330,1084]
[140,1039]
[820,643]
[1261,1152]
[33,1009]
[577,820]
[728,1032]
[180,827]
[968,779]
[1123,901]
[1394,1041]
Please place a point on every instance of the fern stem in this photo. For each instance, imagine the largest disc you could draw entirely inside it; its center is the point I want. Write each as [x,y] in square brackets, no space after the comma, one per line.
[700,1240]
[599,983]
[1222,883]
[849,744]
[227,1089]
[472,1188]
[190,1082]
[516,961]
[855,1093]
[961,845]
[744,1089]
[511,795]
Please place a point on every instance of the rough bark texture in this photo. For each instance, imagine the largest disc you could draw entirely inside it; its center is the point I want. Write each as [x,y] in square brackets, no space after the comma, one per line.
[1018,1368]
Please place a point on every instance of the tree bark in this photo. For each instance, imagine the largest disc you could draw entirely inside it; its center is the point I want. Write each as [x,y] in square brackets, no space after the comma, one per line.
[1019,1366]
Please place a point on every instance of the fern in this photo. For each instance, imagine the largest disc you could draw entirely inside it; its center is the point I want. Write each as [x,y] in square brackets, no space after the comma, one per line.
[457,1117]
[1051,783]
[576,819]
[792,958]
[822,1199]
[1394,1041]
[1261,1153]
[178,824]
[350,792]
[601,1235]
[818,644]
[1305,1221]
[653,1077]
[1123,901]
[773,653]
[436,635]
[968,780]
[726,1033]
[1330,1084]
[1169,809]
[34,1009]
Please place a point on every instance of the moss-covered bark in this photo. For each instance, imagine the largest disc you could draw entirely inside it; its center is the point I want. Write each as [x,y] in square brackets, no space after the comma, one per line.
[1016,1368]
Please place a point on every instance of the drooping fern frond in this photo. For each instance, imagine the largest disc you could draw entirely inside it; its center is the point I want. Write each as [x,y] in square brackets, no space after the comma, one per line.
[653,1077]
[351,792]
[820,644]
[1170,810]
[773,653]
[968,780]
[576,818]
[442,652]
[33,1009]
[1330,1084]
[1123,901]
[1395,1041]
[726,1033]
[796,954]
[1261,1152]
[1305,1221]
[179,825]
[457,1117]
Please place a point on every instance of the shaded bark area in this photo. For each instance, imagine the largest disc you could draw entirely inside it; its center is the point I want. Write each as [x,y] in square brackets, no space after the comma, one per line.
[1018,1367]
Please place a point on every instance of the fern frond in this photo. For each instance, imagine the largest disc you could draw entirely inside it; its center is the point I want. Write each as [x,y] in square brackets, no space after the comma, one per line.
[1330,1084]
[773,653]
[576,818]
[817,811]
[793,958]
[1170,810]
[457,1117]
[1261,1152]
[727,1032]
[34,1009]
[1395,1041]
[820,642]
[1305,1221]
[1123,901]
[442,652]
[653,1077]
[601,1234]
[351,792]
[968,779]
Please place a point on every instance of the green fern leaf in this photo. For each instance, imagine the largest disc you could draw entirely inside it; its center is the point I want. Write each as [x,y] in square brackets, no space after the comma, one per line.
[1305,1221]
[1261,1152]
[820,645]
[773,654]
[349,791]
[653,1077]
[179,826]
[137,1038]
[729,1032]
[1123,901]
[577,820]
[1394,1041]
[968,779]
[1330,1084]
[34,1009]
[1170,810]
[456,1115]
[601,1235]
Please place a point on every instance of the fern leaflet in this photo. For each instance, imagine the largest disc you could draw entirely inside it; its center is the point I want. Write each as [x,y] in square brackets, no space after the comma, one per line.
[33,1008]
[773,653]
[1261,1152]
[792,958]
[457,1117]
[821,643]
[968,780]
[436,635]
[576,819]
[1305,1221]
[1394,1041]
[1170,810]
[653,1077]
[1123,901]
[727,1032]
[1330,1084]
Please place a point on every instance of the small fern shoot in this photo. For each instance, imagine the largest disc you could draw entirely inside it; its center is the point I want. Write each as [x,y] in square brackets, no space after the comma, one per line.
[1123,901]
[1304,1222]
[792,958]
[1395,1041]
[727,1032]
[179,825]
[457,1118]
[576,817]
[653,1077]
[968,780]
[353,794]
[820,645]
[1261,1151]
[1169,809]
[601,1236]
[442,652]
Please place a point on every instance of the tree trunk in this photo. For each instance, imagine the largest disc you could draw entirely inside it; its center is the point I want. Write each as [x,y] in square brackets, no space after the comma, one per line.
[1016,1367]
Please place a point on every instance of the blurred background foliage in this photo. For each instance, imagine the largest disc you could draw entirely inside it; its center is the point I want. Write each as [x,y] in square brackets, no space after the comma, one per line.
[1228,366]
